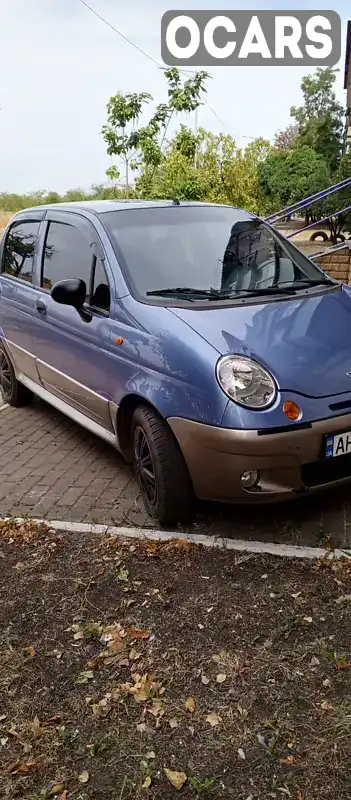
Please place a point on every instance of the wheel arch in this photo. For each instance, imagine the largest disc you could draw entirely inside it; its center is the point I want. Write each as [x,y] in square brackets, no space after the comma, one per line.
[124,418]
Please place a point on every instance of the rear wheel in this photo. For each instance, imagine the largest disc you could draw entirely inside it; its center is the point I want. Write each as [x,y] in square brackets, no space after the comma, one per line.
[160,469]
[13,392]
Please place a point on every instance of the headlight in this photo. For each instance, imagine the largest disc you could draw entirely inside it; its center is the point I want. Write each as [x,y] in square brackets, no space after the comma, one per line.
[246,382]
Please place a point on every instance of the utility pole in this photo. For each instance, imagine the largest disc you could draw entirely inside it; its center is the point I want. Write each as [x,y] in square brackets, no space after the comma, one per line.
[195,131]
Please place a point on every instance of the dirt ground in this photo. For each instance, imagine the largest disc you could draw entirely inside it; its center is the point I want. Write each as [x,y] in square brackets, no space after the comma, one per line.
[134,670]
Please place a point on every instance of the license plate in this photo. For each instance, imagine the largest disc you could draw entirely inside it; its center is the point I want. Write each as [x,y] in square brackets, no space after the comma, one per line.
[338,444]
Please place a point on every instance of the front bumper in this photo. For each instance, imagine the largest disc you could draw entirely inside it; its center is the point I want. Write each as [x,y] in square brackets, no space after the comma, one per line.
[289,462]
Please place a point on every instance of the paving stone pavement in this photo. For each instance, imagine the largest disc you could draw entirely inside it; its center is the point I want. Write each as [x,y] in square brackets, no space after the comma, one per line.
[50,467]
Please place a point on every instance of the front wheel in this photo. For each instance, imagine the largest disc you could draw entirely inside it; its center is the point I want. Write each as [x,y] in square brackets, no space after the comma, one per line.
[13,392]
[160,469]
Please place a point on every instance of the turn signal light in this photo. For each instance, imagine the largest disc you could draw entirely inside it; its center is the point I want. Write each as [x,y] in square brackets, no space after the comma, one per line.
[292,411]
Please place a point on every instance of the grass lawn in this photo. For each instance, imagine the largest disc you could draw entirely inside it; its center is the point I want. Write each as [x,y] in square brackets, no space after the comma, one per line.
[141,670]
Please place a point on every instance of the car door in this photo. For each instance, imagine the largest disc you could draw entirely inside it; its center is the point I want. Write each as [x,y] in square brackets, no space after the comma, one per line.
[17,292]
[73,355]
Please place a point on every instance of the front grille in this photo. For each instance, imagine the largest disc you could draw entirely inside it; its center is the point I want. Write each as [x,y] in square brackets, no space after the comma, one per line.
[330,469]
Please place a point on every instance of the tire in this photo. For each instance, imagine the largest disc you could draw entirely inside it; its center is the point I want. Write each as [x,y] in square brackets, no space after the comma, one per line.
[340,237]
[166,488]
[319,235]
[13,393]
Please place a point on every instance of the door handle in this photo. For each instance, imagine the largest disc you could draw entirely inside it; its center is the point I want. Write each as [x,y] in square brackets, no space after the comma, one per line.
[41,307]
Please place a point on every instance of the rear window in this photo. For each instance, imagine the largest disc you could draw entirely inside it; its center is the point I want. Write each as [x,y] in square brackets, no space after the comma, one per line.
[201,247]
[19,250]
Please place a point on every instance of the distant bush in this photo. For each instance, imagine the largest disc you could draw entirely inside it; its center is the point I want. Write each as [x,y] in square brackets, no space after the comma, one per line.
[10,202]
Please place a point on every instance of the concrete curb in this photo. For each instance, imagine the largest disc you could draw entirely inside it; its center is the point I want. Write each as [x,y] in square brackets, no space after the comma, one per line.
[2,408]
[148,534]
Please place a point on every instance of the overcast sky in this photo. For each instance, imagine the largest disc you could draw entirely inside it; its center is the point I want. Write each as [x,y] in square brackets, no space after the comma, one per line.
[59,65]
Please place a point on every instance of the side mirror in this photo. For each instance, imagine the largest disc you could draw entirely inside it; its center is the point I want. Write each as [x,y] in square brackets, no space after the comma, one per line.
[73,293]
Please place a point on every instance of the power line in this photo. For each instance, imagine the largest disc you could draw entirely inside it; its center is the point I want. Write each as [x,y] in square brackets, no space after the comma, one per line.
[153,60]
[223,123]
[121,34]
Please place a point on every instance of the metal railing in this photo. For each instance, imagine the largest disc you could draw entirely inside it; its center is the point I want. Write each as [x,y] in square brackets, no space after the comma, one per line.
[308,201]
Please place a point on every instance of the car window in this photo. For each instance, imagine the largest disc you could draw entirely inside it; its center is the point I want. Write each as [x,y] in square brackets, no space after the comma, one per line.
[67,255]
[100,298]
[19,250]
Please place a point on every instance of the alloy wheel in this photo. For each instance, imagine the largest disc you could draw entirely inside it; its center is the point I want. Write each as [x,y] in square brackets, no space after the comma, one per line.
[144,466]
[5,374]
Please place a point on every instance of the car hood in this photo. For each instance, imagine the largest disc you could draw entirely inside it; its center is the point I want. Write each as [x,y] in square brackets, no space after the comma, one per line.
[304,341]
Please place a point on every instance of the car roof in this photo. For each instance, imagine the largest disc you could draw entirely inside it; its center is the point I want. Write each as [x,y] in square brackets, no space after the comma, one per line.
[104,206]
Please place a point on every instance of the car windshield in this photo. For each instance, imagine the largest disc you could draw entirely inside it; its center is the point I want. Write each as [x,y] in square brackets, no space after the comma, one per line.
[215,250]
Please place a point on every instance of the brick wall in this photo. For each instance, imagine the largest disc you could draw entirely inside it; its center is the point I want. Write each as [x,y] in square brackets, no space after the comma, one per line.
[337,264]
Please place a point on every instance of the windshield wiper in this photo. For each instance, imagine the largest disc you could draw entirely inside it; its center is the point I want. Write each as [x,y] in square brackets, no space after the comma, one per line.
[309,282]
[184,290]
[256,291]
[217,294]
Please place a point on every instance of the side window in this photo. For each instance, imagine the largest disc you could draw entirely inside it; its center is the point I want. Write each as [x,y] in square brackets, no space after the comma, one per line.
[100,298]
[67,255]
[19,250]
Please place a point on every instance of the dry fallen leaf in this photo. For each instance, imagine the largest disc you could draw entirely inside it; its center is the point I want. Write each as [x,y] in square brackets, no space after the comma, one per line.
[343,664]
[147,782]
[84,776]
[57,788]
[190,704]
[173,723]
[116,643]
[22,767]
[205,680]
[213,719]
[346,598]
[221,677]
[135,633]
[289,761]
[177,779]
[30,651]
[64,795]
[36,728]
[85,677]
[150,755]
[241,754]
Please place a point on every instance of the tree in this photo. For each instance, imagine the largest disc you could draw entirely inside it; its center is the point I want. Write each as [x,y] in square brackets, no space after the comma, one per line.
[321,118]
[338,201]
[286,139]
[224,172]
[113,174]
[123,112]
[141,146]
[287,176]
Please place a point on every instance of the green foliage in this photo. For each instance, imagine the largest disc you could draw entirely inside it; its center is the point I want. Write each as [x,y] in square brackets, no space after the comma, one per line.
[321,118]
[287,176]
[138,146]
[224,172]
[202,788]
[287,138]
[338,201]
